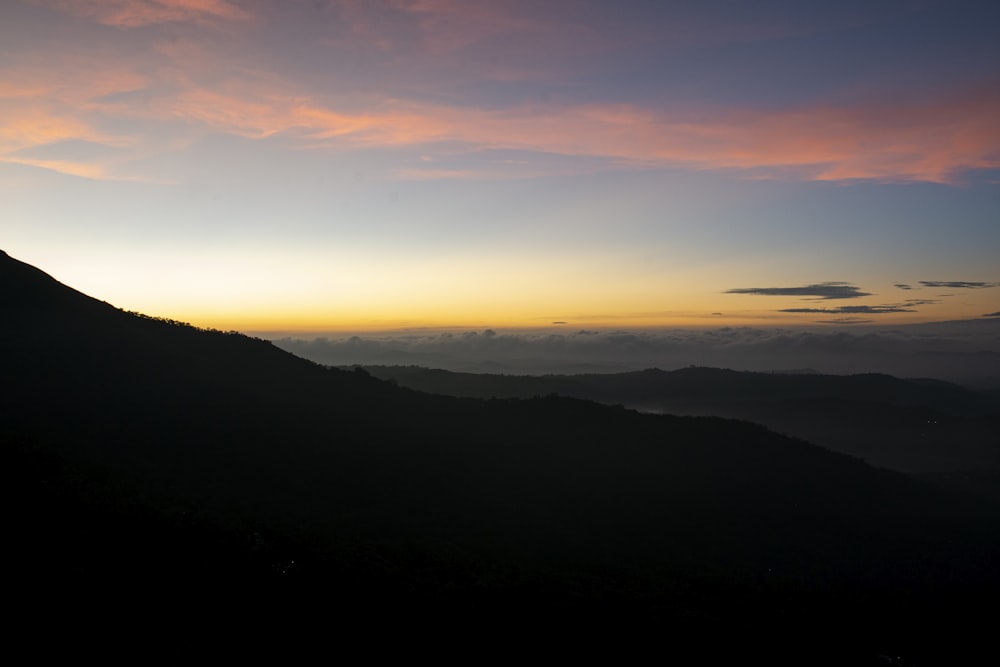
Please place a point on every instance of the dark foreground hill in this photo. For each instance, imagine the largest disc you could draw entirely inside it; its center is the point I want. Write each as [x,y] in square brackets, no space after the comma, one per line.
[143,457]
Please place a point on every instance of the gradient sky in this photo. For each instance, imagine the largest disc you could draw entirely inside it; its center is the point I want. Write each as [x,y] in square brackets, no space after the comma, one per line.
[358,165]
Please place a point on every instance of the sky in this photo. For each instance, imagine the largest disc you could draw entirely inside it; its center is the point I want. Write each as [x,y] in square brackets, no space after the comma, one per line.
[348,166]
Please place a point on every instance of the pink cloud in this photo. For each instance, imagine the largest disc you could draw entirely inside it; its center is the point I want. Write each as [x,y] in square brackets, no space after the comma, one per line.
[42,106]
[933,139]
[31,126]
[933,142]
[137,13]
[452,25]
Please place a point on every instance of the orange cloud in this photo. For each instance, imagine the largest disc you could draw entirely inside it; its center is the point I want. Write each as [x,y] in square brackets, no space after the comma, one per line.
[34,127]
[136,13]
[68,167]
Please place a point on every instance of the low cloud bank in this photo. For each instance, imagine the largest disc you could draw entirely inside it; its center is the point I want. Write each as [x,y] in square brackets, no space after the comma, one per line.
[959,351]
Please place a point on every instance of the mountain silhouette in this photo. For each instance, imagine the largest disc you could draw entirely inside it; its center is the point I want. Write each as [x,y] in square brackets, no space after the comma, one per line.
[914,426]
[208,455]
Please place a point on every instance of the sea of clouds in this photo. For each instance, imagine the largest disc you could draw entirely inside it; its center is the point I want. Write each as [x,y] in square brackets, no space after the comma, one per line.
[967,351]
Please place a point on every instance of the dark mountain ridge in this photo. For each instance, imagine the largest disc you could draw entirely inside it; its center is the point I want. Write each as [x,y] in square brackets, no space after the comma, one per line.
[369,491]
[910,425]
[699,383]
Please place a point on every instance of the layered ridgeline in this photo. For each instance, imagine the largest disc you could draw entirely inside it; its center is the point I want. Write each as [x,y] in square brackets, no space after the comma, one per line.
[918,426]
[140,451]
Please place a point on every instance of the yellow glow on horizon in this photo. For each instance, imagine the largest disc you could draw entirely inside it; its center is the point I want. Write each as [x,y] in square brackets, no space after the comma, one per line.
[353,291]
[540,316]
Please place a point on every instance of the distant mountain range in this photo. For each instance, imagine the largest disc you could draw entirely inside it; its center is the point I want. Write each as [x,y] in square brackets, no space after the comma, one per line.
[914,426]
[144,454]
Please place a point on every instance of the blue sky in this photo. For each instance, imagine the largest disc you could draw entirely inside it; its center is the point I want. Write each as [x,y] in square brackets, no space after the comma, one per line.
[361,166]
